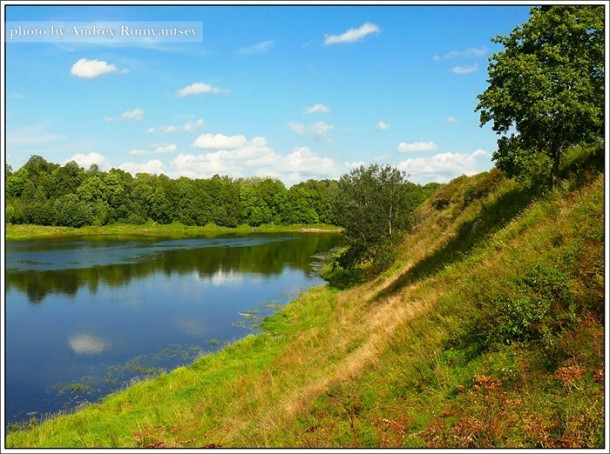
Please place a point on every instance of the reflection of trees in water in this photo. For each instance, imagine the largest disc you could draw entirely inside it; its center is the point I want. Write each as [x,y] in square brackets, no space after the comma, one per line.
[267,258]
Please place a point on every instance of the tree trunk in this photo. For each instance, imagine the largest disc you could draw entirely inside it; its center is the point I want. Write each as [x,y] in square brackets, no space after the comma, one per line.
[556,156]
[555,169]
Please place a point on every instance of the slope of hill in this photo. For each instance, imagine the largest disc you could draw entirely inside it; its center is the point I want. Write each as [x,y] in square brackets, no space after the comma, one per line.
[489,332]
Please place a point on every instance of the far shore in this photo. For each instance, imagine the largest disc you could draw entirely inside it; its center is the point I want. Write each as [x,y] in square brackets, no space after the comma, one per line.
[19,232]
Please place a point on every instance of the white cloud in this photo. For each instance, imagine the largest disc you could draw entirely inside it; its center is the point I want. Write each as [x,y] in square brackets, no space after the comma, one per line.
[219,141]
[480,152]
[352,35]
[465,69]
[317,108]
[404,147]
[167,148]
[320,128]
[189,126]
[135,114]
[257,48]
[89,69]
[297,128]
[198,88]
[354,165]
[86,160]
[444,167]
[383,125]
[316,131]
[451,120]
[471,52]
[254,158]
[129,115]
[161,129]
[153,167]
[193,126]
[138,152]
[304,161]
[232,160]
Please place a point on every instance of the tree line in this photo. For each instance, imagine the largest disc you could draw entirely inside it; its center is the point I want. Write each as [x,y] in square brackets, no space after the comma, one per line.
[44,193]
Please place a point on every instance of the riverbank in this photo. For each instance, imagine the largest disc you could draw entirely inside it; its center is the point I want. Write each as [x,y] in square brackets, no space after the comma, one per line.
[488,332]
[19,232]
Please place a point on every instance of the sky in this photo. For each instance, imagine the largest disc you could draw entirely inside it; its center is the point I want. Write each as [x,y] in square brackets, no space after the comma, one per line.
[290,92]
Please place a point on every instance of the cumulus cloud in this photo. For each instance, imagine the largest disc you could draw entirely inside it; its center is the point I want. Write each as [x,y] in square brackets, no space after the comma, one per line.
[243,157]
[451,120]
[257,48]
[232,159]
[444,167]
[383,125]
[129,115]
[404,147]
[316,131]
[317,108]
[352,35]
[166,148]
[86,160]
[89,69]
[152,167]
[465,69]
[219,141]
[198,88]
[471,52]
[304,161]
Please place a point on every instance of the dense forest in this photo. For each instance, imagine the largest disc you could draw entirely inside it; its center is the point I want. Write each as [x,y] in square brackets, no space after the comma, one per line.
[45,193]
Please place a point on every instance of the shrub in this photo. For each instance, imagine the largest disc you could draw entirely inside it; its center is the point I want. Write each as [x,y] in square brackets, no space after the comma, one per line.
[535,308]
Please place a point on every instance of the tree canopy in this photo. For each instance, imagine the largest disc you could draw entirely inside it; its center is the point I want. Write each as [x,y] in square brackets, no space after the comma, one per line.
[49,194]
[546,88]
[372,205]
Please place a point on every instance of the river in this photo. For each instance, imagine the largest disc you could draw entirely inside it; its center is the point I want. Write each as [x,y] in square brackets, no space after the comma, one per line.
[86,317]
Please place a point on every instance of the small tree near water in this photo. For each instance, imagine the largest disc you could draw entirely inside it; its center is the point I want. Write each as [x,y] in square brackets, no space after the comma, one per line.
[371,205]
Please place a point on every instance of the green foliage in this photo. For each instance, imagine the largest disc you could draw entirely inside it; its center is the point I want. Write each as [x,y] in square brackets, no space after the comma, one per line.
[9,213]
[371,205]
[535,307]
[72,212]
[36,192]
[548,86]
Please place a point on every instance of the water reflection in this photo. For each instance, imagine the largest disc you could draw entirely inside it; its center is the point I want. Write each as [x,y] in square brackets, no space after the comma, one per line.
[66,267]
[87,344]
[85,318]
[189,326]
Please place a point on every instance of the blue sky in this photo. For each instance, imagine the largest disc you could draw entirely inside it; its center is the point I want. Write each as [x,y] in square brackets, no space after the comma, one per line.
[293,92]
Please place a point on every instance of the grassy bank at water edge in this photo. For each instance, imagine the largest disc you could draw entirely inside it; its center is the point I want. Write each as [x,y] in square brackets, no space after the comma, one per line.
[15,232]
[488,332]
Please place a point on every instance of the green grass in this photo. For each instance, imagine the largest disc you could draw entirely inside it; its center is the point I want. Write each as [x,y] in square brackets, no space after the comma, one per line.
[16,232]
[487,333]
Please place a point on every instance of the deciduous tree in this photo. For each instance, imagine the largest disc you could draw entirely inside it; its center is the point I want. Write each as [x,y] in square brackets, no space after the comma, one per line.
[546,88]
[370,204]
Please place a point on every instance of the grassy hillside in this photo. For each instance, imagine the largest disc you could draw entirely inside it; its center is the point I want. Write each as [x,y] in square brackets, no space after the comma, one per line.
[488,332]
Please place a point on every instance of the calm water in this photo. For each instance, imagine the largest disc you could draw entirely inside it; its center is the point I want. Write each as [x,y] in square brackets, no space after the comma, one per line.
[87,317]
